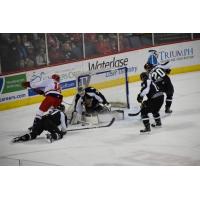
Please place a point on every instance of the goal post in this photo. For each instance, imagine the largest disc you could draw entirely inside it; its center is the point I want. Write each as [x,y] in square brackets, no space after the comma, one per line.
[112,83]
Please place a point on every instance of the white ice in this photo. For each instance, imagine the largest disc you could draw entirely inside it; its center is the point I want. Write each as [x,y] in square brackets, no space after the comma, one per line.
[176,143]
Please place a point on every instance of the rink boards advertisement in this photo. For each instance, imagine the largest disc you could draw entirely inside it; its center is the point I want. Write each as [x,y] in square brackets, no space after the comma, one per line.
[182,57]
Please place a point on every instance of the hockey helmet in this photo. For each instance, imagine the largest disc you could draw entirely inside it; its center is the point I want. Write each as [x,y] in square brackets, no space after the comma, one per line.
[56,77]
[144,76]
[148,67]
[61,107]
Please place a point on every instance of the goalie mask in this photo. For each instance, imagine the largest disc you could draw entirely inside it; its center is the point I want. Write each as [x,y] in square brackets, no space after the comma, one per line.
[81,91]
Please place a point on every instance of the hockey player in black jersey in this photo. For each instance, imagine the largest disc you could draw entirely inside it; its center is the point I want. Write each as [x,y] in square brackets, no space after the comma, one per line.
[89,100]
[159,76]
[50,123]
[153,103]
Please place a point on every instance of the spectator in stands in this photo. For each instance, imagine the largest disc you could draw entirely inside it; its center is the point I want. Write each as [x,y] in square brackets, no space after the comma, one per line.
[76,52]
[26,42]
[55,55]
[123,43]
[113,46]
[66,50]
[4,48]
[30,61]
[41,58]
[102,45]
[53,41]
[90,45]
[12,58]
[21,50]
[38,42]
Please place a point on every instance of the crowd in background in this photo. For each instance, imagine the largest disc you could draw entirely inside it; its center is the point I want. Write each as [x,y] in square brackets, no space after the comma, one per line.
[24,51]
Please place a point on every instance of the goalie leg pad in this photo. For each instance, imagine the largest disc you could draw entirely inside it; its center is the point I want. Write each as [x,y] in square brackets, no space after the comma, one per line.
[91,119]
[76,118]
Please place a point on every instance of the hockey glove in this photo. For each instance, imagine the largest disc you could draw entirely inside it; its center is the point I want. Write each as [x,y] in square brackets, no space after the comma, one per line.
[26,84]
[108,106]
[168,71]
[38,91]
[139,98]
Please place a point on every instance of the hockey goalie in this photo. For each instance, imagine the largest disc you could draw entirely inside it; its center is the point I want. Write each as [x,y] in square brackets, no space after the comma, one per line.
[88,104]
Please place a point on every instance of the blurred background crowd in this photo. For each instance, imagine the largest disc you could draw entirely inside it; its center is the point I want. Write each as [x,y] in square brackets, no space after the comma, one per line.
[25,51]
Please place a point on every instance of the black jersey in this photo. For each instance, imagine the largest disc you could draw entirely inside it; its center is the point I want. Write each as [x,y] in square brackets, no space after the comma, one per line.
[58,117]
[162,80]
[97,96]
[90,91]
[150,89]
[157,75]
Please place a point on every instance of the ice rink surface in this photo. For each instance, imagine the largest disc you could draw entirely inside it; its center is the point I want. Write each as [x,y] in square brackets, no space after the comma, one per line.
[177,143]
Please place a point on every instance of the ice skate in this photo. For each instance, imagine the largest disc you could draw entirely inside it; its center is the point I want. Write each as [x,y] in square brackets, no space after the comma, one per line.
[49,137]
[147,129]
[168,111]
[156,125]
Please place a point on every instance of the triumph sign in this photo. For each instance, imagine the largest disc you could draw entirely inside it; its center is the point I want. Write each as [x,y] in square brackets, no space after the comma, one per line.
[178,54]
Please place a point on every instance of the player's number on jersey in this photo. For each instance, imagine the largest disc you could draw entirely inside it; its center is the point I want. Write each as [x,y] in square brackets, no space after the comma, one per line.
[158,74]
[57,86]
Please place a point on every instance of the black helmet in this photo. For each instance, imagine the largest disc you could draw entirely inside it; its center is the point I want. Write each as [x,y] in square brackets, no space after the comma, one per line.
[144,76]
[61,107]
[148,66]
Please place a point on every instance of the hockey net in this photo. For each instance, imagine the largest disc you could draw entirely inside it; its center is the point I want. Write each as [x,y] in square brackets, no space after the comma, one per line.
[113,84]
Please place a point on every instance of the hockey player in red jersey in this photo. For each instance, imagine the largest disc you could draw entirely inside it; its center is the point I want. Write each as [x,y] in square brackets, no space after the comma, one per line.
[51,91]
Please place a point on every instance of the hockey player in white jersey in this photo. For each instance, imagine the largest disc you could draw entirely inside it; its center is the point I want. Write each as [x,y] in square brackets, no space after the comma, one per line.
[51,89]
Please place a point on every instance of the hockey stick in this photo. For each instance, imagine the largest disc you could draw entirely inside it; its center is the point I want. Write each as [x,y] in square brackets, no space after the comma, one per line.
[165,63]
[134,114]
[92,127]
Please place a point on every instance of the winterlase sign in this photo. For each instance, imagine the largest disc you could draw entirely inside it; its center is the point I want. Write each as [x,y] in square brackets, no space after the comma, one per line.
[123,62]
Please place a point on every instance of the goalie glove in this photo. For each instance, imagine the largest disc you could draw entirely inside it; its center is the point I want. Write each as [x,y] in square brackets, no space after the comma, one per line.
[108,106]
[139,98]
[168,71]
[26,84]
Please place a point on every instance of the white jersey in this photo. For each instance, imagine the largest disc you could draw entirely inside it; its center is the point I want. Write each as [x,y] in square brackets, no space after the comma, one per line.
[49,85]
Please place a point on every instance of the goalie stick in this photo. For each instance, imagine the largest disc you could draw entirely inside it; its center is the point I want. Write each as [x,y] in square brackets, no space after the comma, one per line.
[134,114]
[92,127]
